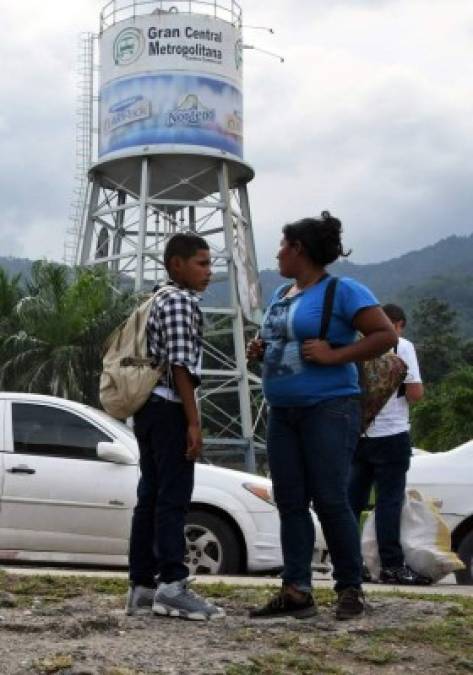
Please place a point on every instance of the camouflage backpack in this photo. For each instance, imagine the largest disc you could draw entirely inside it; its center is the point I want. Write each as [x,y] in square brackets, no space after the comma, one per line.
[379,378]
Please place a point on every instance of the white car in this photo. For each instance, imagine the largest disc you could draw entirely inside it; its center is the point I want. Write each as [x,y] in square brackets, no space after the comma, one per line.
[448,478]
[68,477]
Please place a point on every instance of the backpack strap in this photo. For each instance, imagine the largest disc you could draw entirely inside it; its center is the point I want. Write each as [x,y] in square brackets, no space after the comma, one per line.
[327,307]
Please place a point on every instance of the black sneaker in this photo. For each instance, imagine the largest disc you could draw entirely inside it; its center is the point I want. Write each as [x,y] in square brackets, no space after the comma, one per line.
[404,576]
[350,604]
[285,604]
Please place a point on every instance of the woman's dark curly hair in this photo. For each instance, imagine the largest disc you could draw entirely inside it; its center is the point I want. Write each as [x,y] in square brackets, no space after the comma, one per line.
[320,238]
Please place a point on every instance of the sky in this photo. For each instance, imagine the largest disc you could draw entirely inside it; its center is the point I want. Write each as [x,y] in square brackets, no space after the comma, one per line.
[370,116]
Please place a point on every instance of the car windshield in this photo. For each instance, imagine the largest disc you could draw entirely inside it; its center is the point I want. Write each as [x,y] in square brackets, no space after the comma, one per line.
[119,426]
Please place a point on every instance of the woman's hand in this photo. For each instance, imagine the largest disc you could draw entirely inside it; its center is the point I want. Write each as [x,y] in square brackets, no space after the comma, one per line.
[255,349]
[319,351]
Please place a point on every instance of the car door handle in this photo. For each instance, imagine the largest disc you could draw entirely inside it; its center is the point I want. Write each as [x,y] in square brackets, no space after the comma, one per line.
[21,469]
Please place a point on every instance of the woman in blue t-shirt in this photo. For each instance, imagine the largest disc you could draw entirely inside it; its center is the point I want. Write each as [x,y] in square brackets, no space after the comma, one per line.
[311,387]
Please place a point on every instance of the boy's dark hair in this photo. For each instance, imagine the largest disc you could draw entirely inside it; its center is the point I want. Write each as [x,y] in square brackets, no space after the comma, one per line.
[320,238]
[184,245]
[395,313]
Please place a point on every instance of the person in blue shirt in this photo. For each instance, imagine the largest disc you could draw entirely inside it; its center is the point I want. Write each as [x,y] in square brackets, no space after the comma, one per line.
[311,387]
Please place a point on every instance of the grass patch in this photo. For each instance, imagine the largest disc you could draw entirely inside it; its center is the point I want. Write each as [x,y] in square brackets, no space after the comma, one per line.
[282,664]
[255,594]
[57,588]
[53,664]
[450,636]
[378,655]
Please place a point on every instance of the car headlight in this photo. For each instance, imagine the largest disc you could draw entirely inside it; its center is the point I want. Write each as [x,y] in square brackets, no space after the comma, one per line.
[261,491]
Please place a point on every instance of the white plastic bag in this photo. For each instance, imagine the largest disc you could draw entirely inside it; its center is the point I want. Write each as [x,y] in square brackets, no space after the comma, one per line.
[425,540]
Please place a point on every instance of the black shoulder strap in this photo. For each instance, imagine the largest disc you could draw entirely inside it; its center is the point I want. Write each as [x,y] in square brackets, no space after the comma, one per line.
[327,307]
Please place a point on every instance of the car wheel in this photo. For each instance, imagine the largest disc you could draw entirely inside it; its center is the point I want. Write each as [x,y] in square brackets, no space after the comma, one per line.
[211,545]
[465,553]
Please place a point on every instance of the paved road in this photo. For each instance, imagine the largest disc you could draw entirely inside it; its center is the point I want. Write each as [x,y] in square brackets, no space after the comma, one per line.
[446,587]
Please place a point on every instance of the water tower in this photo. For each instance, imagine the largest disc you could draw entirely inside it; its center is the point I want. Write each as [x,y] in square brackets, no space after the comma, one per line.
[168,157]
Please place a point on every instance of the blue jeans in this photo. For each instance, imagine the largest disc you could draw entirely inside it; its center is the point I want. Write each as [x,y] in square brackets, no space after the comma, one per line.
[382,462]
[157,542]
[310,451]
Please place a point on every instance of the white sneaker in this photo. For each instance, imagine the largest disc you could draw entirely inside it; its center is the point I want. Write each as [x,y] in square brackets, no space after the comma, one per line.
[139,600]
[178,600]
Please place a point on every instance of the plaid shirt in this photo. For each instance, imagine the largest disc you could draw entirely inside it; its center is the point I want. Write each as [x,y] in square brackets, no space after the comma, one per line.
[174,332]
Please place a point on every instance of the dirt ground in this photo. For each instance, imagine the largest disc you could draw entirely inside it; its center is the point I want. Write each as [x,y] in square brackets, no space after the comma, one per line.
[42,632]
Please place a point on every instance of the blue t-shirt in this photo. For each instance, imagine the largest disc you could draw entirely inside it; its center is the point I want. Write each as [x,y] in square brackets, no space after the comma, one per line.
[289,380]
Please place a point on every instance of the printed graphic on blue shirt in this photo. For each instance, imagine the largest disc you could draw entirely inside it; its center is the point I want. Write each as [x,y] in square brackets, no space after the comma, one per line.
[283,354]
[288,379]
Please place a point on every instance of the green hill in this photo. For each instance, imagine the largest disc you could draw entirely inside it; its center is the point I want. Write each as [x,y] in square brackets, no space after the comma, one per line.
[443,270]
[14,266]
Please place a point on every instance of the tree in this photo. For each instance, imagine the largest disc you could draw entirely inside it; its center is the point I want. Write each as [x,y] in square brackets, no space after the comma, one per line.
[443,419]
[10,294]
[435,335]
[467,352]
[61,327]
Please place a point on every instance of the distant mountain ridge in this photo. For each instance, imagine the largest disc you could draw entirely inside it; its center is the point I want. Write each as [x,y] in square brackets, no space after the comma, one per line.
[443,270]
[14,266]
[452,256]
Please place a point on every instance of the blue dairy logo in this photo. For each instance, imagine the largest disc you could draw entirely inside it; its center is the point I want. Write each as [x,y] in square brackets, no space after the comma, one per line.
[127,111]
[190,112]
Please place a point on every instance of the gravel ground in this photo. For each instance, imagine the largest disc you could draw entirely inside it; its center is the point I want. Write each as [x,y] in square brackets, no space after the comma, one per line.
[91,635]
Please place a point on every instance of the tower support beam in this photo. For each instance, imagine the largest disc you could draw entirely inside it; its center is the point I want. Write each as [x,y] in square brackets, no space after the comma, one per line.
[140,221]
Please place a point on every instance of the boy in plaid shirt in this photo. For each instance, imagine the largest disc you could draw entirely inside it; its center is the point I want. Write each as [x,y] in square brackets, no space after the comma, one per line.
[170,440]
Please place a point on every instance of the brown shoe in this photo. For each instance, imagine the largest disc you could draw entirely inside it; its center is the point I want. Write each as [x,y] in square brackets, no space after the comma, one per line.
[288,602]
[350,604]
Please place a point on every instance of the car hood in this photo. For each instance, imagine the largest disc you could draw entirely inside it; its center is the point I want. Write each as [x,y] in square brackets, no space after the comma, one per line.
[452,467]
[219,475]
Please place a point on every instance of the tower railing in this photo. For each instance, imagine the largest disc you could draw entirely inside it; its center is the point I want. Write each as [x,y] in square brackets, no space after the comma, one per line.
[84,143]
[119,10]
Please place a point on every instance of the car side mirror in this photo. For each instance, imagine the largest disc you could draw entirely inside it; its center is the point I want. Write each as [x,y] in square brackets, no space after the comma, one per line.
[115,452]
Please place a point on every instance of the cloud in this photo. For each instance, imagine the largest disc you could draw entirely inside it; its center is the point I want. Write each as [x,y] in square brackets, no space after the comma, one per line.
[370,116]
[37,126]
[376,126]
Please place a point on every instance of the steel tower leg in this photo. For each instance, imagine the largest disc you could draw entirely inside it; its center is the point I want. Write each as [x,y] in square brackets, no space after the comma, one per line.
[89,229]
[142,225]
[238,327]
[118,233]
[140,218]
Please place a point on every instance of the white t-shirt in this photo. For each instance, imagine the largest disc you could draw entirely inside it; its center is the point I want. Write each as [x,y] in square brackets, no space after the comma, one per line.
[394,417]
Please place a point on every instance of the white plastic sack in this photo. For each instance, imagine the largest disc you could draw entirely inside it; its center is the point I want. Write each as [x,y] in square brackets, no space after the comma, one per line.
[425,540]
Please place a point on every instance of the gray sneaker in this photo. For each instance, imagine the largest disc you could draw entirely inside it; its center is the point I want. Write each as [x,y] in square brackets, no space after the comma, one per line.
[139,600]
[178,600]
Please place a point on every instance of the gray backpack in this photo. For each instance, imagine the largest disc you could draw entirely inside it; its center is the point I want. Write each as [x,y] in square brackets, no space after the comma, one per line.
[128,376]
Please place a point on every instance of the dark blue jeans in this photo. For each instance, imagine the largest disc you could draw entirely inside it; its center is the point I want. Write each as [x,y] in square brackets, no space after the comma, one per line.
[157,542]
[383,463]
[310,451]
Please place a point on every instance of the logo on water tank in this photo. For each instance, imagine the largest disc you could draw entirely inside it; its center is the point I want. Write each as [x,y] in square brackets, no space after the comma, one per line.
[190,113]
[132,109]
[128,46]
